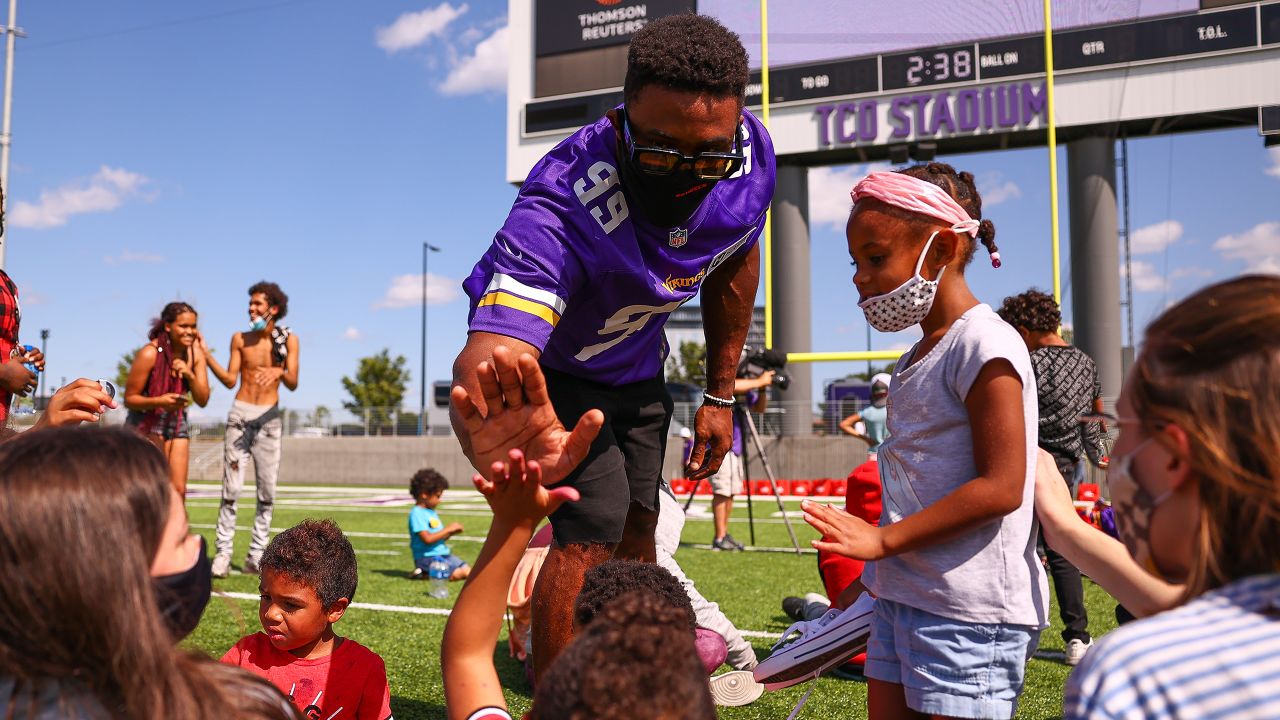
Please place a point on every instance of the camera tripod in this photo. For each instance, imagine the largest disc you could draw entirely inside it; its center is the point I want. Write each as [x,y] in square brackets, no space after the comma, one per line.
[742,419]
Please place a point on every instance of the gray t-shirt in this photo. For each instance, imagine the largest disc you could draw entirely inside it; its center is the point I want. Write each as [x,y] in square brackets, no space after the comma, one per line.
[990,574]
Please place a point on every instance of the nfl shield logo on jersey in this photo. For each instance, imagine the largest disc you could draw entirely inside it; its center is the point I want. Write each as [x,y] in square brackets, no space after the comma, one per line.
[678,237]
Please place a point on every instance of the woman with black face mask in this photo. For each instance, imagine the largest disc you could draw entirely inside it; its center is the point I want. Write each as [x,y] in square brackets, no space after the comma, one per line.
[102,578]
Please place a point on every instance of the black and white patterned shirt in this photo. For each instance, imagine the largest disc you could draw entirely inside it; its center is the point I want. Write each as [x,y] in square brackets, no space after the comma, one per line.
[1067,385]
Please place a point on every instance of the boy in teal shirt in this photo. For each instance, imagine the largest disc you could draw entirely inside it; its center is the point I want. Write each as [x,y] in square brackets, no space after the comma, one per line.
[427,532]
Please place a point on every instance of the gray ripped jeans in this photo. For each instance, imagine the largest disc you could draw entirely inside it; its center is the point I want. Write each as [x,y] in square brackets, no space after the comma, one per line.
[253,431]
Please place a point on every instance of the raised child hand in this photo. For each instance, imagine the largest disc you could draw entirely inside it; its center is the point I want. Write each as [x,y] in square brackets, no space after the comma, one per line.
[520,416]
[843,534]
[515,492]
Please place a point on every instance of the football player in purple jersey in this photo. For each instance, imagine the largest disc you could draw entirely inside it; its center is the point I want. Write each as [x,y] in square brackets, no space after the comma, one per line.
[627,219]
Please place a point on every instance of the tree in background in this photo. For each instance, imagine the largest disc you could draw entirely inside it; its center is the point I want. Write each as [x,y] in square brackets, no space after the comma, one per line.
[688,364]
[874,370]
[122,369]
[377,390]
[319,417]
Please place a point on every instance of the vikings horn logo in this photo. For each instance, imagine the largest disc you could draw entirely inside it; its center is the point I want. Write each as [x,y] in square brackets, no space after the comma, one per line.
[678,237]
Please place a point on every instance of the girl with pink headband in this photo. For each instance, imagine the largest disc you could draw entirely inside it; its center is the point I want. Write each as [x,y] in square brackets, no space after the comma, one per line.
[961,595]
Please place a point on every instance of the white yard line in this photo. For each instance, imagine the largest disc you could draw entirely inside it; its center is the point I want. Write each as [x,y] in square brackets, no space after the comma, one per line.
[413,610]
[478,539]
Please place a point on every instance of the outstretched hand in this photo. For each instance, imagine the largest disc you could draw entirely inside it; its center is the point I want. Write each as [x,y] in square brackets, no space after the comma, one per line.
[520,417]
[79,402]
[842,533]
[515,492]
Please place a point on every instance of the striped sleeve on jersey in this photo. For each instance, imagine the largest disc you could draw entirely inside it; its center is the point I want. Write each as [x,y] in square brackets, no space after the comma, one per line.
[508,292]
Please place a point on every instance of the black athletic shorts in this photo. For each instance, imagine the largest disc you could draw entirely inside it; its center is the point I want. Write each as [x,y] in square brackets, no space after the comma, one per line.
[624,464]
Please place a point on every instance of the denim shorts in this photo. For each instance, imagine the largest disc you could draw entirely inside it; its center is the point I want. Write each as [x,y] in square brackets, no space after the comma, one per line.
[455,562]
[950,667]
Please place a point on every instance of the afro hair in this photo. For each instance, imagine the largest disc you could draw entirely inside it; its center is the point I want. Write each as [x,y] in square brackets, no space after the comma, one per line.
[609,580]
[317,554]
[1032,310]
[687,52]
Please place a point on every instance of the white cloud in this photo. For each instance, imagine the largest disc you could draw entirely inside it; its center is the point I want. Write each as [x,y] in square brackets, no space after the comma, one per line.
[105,191]
[406,291]
[1274,170]
[1191,272]
[129,256]
[1145,277]
[412,29]
[352,333]
[995,189]
[829,188]
[484,70]
[1259,247]
[1267,266]
[1155,238]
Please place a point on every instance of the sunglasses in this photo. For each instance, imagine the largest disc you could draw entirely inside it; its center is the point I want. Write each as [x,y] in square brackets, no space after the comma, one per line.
[664,161]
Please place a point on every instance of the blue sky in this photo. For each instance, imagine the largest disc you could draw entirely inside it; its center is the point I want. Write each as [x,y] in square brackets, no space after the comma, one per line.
[167,150]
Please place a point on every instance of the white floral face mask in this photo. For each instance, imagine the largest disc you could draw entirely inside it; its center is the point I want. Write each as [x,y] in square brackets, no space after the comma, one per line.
[907,304]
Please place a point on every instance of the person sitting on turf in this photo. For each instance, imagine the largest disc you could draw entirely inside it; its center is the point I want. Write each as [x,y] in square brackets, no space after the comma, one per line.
[1195,481]
[635,658]
[110,580]
[614,578]
[427,532]
[308,580]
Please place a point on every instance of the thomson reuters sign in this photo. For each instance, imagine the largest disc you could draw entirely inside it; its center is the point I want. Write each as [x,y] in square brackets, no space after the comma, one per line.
[563,26]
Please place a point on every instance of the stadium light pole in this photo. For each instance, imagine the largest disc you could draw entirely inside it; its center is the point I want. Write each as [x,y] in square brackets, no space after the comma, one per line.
[13,33]
[427,249]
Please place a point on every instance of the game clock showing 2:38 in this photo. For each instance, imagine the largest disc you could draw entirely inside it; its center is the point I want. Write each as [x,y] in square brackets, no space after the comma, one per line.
[936,66]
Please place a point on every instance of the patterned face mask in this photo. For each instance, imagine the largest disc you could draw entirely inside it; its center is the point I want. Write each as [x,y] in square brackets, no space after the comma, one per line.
[1133,509]
[907,304]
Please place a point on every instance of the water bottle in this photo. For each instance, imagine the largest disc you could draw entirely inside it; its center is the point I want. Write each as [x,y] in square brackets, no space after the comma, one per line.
[438,572]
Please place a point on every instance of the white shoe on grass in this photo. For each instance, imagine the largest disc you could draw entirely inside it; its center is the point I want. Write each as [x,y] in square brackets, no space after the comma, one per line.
[221,566]
[735,689]
[1076,650]
[809,648]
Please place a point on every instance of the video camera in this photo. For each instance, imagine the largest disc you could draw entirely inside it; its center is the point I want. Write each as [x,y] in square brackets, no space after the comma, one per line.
[756,361]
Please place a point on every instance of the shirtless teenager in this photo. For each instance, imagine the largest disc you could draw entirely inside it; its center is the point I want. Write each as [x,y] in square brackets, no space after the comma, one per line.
[264,356]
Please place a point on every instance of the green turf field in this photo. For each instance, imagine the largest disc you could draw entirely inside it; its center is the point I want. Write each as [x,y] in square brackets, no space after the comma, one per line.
[748,586]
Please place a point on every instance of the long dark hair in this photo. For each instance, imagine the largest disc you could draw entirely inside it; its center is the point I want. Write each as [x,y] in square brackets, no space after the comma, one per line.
[82,513]
[168,315]
[1211,366]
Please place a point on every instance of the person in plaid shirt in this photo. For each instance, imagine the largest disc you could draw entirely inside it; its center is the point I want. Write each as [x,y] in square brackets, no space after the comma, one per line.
[15,379]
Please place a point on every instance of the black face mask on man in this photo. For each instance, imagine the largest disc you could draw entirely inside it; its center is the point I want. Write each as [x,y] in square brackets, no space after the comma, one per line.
[665,200]
[183,596]
[667,186]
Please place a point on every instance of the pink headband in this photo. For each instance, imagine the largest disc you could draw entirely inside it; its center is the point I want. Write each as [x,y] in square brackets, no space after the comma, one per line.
[918,196]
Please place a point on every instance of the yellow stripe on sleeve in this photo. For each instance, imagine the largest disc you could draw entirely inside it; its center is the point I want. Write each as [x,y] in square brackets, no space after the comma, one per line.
[518,303]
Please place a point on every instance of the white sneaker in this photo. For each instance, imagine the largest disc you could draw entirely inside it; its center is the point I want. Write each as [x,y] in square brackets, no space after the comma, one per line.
[735,689]
[1076,650]
[808,649]
[221,566]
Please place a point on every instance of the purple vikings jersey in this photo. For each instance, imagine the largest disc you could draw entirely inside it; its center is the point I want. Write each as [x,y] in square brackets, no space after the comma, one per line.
[576,272]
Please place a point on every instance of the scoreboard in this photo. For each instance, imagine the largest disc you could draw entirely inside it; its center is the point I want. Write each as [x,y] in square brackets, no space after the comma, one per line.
[1169,37]
[1074,50]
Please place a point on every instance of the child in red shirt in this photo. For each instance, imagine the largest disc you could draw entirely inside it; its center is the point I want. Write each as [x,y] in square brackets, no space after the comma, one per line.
[308,580]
